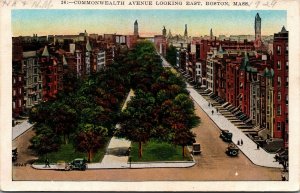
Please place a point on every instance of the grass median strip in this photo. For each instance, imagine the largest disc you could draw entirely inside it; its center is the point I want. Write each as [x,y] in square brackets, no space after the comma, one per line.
[67,153]
[159,151]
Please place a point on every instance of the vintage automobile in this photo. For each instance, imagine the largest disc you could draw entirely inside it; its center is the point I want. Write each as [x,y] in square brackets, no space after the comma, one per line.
[232,150]
[282,157]
[78,164]
[196,148]
[226,135]
[14,154]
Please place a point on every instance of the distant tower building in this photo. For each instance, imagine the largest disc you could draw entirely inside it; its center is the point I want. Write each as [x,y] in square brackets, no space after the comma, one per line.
[85,35]
[170,34]
[164,32]
[88,53]
[257,28]
[136,28]
[211,34]
[185,31]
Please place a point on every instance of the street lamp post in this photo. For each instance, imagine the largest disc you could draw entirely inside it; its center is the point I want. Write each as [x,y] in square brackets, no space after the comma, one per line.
[129,156]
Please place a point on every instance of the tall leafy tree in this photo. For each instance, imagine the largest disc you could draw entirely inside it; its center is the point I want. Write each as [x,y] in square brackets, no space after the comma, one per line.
[63,119]
[90,138]
[171,55]
[137,123]
[177,118]
[45,140]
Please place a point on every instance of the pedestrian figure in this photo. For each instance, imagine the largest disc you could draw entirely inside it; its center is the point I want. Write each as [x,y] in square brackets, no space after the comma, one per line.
[241,142]
[209,104]
[47,163]
[285,166]
[217,110]
[212,112]
[283,178]
[257,146]
[238,143]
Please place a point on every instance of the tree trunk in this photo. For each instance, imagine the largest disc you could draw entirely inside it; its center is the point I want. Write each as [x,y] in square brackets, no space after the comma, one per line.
[65,139]
[182,150]
[89,155]
[140,150]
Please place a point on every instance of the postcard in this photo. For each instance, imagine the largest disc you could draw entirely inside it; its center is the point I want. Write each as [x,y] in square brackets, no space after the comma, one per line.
[149,95]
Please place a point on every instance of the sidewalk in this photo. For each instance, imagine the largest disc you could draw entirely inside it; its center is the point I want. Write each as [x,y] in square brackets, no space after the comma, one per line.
[126,165]
[258,156]
[20,129]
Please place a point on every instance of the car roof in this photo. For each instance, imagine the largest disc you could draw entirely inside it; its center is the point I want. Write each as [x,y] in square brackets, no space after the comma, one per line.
[78,159]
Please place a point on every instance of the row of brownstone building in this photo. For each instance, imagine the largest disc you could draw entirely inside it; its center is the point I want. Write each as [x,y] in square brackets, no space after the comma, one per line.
[39,66]
[41,62]
[247,75]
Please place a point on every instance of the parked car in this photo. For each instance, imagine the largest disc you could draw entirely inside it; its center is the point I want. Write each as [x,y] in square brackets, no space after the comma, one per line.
[14,154]
[196,148]
[78,164]
[232,150]
[226,135]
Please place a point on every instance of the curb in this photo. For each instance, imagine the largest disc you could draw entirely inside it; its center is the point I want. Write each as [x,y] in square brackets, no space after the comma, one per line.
[135,165]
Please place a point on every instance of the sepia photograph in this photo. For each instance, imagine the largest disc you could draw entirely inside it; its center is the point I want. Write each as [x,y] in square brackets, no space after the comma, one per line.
[150,95]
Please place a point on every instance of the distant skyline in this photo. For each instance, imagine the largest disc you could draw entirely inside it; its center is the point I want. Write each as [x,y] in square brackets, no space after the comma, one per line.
[151,22]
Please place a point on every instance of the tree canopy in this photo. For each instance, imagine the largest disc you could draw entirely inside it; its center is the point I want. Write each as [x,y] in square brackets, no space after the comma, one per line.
[88,111]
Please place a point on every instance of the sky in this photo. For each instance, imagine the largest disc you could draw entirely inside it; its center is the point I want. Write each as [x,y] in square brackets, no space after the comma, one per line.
[151,22]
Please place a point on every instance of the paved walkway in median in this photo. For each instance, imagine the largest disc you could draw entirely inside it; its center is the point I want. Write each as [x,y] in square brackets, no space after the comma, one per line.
[249,148]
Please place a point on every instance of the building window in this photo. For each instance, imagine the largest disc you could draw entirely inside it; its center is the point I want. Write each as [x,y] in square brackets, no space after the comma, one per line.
[14,105]
[286,65]
[14,92]
[279,65]
[278,126]
[278,81]
[287,50]
[287,81]
[279,96]
[278,50]
[20,91]
[14,80]
[286,99]
[20,78]
[278,109]
[20,102]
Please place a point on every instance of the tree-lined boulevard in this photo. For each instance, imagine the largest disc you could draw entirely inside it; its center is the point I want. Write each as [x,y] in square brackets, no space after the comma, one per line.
[212,164]
[160,110]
